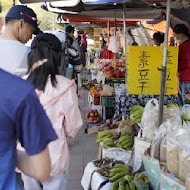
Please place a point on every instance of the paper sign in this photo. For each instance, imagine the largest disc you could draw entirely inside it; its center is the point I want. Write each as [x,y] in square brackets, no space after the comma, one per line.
[143,74]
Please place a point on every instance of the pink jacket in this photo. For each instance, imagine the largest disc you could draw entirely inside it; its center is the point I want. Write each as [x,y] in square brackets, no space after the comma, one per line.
[61,106]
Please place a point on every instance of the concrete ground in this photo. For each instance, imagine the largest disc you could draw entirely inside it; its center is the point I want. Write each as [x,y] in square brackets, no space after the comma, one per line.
[83,148]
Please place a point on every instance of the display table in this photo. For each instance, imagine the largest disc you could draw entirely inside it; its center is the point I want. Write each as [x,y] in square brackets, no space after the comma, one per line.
[124,103]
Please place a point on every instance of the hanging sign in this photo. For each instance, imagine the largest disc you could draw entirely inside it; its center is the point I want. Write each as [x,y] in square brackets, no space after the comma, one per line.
[144,76]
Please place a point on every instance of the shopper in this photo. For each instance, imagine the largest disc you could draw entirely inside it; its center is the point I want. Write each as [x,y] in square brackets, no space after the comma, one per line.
[21,23]
[84,54]
[58,97]
[158,38]
[181,34]
[22,118]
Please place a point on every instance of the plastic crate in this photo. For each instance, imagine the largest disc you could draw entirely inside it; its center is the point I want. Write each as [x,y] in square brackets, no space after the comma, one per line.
[108,101]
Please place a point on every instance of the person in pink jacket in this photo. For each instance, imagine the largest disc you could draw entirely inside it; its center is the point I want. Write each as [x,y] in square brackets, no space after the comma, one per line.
[58,97]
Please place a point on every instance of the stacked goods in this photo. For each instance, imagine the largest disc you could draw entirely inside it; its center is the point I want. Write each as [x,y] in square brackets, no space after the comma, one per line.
[94,90]
[136,113]
[93,116]
[126,142]
[123,179]
[107,126]
[103,135]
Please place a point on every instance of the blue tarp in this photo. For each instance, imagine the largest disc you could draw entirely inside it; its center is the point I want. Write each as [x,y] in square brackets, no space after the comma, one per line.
[95,2]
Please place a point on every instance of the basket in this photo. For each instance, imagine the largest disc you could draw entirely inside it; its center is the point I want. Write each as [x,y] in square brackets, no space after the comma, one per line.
[108,101]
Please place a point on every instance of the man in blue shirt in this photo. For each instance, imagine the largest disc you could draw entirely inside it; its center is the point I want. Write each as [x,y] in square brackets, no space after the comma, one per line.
[22,119]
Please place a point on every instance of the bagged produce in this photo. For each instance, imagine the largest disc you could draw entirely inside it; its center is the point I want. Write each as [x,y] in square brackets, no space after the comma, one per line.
[163,150]
[149,119]
[184,156]
[172,157]
[187,182]
[155,147]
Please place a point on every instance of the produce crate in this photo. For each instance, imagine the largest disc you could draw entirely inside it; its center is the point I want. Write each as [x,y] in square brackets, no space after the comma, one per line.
[108,101]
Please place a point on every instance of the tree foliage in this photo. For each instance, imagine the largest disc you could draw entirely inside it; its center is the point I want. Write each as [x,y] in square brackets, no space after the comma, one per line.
[48,19]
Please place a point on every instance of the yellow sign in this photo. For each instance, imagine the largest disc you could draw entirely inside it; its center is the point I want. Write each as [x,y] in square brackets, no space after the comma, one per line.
[143,66]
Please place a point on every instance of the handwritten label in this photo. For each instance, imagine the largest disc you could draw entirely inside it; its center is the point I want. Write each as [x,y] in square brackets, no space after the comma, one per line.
[143,74]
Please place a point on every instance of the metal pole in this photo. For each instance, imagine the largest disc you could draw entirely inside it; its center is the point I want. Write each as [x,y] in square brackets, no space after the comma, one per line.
[115,32]
[164,65]
[124,31]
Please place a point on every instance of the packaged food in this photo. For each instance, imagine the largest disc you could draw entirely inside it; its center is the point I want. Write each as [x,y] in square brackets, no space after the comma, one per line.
[163,150]
[172,156]
[187,182]
[184,160]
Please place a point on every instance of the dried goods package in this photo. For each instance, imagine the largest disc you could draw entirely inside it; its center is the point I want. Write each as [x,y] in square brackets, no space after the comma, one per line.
[163,150]
[172,156]
[184,160]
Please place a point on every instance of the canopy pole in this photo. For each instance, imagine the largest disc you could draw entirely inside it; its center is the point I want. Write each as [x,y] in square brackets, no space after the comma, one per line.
[164,65]
[124,32]
[115,34]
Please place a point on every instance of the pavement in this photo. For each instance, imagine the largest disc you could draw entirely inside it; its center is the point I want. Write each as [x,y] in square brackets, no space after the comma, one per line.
[83,149]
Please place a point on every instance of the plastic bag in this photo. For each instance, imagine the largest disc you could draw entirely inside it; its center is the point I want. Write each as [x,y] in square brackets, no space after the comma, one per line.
[187,182]
[184,156]
[163,150]
[172,154]
[155,147]
[149,119]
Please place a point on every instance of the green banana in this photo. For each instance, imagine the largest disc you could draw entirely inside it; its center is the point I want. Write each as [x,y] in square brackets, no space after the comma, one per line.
[117,170]
[121,185]
[127,186]
[115,185]
[128,178]
[118,176]
[120,166]
[132,185]
[136,107]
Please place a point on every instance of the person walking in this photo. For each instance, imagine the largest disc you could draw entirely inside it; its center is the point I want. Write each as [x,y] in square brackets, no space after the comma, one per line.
[22,119]
[181,34]
[59,99]
[21,24]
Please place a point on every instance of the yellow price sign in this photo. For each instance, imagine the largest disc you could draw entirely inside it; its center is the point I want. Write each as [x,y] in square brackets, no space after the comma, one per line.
[143,63]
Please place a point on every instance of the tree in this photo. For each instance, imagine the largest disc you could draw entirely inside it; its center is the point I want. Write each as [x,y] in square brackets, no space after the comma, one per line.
[48,19]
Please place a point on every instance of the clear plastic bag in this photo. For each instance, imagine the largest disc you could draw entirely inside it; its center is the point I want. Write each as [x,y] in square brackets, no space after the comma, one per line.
[187,182]
[149,119]
[155,147]
[172,157]
[163,150]
[184,157]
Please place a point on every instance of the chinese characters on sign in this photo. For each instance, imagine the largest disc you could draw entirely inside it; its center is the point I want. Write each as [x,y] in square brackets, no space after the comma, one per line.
[143,70]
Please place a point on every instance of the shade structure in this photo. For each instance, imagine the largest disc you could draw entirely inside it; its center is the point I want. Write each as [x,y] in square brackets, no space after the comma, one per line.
[103,1]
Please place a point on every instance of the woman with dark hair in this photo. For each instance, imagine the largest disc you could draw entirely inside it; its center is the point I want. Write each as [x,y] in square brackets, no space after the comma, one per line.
[181,34]
[58,96]
[158,38]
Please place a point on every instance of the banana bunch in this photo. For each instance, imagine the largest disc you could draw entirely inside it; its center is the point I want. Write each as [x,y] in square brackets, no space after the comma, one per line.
[126,142]
[172,105]
[103,135]
[142,177]
[108,142]
[117,173]
[129,184]
[136,113]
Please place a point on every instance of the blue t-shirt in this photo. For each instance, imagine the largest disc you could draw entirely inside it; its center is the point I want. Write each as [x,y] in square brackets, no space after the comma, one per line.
[21,118]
